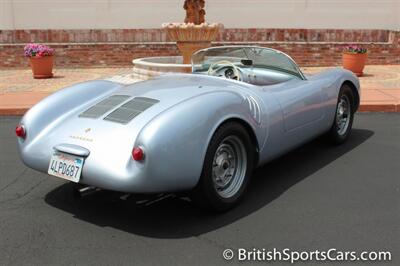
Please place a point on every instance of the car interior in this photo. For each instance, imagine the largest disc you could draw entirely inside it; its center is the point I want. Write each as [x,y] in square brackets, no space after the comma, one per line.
[253,65]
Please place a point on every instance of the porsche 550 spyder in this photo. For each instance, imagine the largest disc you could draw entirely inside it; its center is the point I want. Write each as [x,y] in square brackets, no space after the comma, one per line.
[202,132]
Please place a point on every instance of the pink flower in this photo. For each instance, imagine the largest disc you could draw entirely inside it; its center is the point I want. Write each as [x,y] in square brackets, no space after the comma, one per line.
[37,50]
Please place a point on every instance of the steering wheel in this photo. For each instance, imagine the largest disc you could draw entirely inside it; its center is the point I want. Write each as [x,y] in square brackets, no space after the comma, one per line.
[236,71]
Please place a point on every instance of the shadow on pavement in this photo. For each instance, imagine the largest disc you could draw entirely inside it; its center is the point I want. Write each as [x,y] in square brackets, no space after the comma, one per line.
[174,217]
[58,76]
[367,75]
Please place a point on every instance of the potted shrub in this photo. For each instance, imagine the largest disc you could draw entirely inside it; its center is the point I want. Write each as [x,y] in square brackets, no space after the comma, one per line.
[41,60]
[354,58]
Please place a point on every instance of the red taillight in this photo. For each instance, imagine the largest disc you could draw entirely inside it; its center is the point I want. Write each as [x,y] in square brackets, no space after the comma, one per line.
[20,131]
[137,154]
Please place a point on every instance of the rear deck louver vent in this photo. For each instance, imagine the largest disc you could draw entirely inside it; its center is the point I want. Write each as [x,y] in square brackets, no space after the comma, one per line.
[104,106]
[130,110]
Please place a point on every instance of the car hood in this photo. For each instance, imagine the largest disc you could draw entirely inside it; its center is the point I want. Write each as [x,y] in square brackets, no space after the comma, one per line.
[166,91]
[109,138]
[177,87]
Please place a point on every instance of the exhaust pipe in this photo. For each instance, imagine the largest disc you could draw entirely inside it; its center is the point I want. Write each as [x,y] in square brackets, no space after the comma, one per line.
[85,191]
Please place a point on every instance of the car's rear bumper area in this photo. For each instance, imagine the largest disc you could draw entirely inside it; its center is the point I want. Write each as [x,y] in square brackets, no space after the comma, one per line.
[131,182]
[130,176]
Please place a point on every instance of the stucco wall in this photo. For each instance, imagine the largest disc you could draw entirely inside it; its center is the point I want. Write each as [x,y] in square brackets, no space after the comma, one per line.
[125,14]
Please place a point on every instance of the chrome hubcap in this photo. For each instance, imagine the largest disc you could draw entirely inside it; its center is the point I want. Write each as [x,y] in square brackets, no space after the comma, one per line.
[343,114]
[229,166]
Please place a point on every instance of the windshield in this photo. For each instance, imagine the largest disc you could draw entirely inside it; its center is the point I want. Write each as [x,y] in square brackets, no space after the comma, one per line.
[204,59]
[244,57]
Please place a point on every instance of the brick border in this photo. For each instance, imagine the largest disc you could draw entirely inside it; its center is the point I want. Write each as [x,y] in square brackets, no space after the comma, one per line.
[13,111]
[387,108]
[225,35]
[364,108]
[117,47]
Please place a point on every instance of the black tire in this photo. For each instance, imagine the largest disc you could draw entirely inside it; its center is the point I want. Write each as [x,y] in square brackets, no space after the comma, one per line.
[337,134]
[206,194]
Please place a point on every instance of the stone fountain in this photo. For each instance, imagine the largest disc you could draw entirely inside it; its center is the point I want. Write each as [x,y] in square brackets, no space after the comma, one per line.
[195,34]
[192,35]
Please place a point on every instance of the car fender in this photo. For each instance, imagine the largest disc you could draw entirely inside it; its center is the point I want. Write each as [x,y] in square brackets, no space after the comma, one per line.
[332,81]
[62,103]
[175,142]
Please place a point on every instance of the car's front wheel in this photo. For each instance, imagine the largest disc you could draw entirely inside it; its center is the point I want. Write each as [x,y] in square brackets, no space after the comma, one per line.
[227,168]
[342,124]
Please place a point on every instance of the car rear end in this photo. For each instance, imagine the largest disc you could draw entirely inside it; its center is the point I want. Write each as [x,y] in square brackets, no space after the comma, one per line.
[93,146]
[130,140]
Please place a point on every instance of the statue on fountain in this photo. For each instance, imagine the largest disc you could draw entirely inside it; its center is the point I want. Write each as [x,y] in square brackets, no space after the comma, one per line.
[195,12]
[194,34]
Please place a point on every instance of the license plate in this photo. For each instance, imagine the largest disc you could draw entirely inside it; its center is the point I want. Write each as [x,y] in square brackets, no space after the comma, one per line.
[66,166]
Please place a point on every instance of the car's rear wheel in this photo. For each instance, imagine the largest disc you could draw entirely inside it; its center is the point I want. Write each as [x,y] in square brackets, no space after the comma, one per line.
[343,122]
[227,168]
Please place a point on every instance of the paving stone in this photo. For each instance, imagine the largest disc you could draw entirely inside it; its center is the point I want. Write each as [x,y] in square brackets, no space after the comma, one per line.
[380,86]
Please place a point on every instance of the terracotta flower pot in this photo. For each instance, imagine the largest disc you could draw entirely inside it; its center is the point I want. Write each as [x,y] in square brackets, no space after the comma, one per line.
[355,62]
[42,67]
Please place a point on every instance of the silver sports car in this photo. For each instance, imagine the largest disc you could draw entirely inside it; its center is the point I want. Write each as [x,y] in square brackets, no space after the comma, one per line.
[202,132]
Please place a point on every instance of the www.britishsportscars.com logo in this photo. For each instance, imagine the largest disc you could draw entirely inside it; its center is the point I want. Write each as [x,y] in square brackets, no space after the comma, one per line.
[292,256]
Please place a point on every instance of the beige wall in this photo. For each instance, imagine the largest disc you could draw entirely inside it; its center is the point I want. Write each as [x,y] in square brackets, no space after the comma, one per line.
[103,14]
